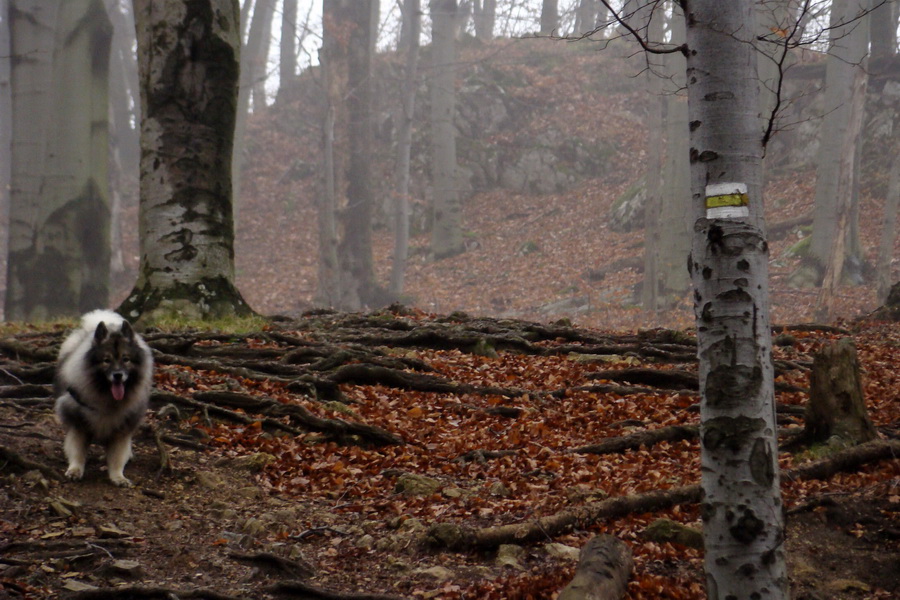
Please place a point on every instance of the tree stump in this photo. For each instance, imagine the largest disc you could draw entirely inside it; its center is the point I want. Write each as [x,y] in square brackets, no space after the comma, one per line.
[603,571]
[836,405]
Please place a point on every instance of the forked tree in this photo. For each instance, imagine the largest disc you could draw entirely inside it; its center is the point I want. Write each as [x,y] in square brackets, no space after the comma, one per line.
[188,56]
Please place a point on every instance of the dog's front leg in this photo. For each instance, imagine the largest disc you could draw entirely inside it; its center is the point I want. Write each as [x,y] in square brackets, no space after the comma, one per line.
[117,454]
[75,448]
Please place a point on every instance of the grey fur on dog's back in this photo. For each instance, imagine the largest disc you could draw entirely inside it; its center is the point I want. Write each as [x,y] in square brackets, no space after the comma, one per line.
[90,358]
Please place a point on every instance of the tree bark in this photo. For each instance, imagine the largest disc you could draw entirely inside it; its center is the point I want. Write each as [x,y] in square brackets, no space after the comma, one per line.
[889,226]
[446,237]
[654,23]
[485,14]
[412,16]
[59,218]
[844,80]
[837,406]
[741,508]
[549,16]
[287,64]
[188,56]
[604,568]
[350,280]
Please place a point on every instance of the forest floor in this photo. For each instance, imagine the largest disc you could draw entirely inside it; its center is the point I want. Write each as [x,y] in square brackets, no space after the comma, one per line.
[325,456]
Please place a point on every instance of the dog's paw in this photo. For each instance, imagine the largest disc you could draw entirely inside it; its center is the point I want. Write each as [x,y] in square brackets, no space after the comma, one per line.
[121,481]
[75,472]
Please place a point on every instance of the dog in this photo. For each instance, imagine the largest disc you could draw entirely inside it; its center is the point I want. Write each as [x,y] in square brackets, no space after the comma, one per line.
[102,388]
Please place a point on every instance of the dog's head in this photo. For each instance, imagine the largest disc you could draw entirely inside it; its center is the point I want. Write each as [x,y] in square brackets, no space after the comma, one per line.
[116,358]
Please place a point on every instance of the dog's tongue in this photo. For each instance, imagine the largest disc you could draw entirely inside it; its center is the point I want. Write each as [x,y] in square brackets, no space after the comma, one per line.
[118,391]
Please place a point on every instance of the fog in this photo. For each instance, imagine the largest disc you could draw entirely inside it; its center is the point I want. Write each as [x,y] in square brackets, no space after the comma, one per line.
[571,159]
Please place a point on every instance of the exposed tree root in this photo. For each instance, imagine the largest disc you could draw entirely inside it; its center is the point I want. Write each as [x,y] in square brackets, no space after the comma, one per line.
[452,536]
[138,592]
[274,564]
[298,589]
[8,455]
[674,433]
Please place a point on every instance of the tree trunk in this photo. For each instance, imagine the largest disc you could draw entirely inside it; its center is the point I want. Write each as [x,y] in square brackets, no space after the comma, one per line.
[586,17]
[446,237]
[59,216]
[653,22]
[252,84]
[349,282]
[287,64]
[837,406]
[485,14]
[549,16]
[5,139]
[883,19]
[846,193]
[889,226]
[846,61]
[188,57]
[741,509]
[675,238]
[413,16]
[604,568]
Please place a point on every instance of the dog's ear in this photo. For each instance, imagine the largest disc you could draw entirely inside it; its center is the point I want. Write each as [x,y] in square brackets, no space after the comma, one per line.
[101,333]
[127,331]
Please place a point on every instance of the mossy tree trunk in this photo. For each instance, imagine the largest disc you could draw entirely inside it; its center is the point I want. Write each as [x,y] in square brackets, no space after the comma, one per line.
[59,216]
[188,56]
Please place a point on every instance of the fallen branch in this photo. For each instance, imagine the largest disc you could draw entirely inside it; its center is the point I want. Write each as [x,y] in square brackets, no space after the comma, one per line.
[274,563]
[138,592]
[674,433]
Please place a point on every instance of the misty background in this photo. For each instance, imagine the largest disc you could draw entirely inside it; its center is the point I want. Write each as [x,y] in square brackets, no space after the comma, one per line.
[571,159]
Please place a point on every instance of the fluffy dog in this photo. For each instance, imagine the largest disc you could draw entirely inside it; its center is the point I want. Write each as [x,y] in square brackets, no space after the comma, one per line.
[103,380]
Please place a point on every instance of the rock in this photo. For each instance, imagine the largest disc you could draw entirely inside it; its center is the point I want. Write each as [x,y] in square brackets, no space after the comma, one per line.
[126,568]
[412,525]
[209,480]
[557,550]
[73,585]
[111,531]
[416,485]
[848,585]
[454,492]
[253,526]
[255,462]
[666,530]
[437,572]
[366,542]
[498,488]
[508,555]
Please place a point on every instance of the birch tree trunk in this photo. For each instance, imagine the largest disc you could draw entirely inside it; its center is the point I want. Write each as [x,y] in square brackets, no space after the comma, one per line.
[446,237]
[59,219]
[188,57]
[741,509]
[412,15]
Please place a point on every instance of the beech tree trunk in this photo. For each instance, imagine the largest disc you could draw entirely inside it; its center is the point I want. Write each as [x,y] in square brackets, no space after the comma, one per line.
[653,22]
[188,58]
[484,16]
[889,225]
[412,16]
[845,80]
[549,16]
[346,268]
[446,237]
[741,508]
[837,406]
[287,63]
[59,217]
